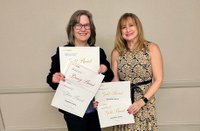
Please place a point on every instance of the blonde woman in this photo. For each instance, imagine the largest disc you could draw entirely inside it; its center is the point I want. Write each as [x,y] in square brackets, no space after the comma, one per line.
[139,61]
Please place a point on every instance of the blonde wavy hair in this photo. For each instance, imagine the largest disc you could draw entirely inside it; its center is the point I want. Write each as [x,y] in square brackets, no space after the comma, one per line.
[120,43]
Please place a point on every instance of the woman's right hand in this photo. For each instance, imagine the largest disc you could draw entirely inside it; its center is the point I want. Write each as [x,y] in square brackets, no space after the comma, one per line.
[95,104]
[57,77]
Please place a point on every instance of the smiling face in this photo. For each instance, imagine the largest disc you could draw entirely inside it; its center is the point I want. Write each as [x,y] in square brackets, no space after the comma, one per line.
[129,30]
[82,31]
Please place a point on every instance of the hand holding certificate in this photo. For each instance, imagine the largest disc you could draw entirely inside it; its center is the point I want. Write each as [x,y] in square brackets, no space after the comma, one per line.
[75,93]
[114,100]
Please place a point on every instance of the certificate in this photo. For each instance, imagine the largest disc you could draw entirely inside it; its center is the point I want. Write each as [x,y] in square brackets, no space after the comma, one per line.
[114,100]
[79,88]
[88,56]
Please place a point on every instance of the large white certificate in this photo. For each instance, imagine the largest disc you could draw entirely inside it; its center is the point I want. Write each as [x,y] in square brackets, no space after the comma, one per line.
[114,100]
[79,88]
[88,56]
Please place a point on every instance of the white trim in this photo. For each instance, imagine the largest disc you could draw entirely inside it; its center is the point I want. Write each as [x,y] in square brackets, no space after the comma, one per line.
[39,129]
[47,89]
[182,123]
[181,84]
[173,125]
[23,90]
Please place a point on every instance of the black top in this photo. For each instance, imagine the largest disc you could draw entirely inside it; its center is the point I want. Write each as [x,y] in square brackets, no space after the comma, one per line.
[55,67]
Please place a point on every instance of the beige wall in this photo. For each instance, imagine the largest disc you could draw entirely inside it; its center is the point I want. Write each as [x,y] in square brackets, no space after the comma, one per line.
[30,31]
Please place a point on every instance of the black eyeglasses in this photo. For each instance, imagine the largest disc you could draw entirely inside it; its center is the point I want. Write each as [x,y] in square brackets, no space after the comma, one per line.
[79,26]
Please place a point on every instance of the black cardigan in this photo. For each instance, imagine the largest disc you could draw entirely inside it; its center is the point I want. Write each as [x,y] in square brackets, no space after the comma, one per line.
[55,67]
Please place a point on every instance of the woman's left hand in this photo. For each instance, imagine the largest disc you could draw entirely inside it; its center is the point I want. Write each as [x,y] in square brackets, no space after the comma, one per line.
[102,68]
[135,107]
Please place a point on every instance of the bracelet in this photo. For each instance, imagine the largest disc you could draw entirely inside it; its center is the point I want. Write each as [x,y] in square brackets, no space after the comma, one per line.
[145,99]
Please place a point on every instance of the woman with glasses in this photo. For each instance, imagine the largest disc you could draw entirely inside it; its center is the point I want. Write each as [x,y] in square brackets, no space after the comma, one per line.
[81,33]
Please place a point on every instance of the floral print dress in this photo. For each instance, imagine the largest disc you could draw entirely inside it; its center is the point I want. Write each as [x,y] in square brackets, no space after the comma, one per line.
[135,66]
